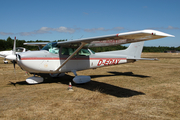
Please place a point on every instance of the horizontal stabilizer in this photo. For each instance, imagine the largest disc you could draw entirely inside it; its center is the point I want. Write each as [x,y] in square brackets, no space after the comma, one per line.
[143,59]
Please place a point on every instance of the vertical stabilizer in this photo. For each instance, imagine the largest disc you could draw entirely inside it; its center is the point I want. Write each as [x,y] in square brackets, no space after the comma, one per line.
[132,52]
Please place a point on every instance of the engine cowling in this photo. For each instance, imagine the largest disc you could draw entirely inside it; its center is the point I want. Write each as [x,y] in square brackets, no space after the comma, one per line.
[11,57]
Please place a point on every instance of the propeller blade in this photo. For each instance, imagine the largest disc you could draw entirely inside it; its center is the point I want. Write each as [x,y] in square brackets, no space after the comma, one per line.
[14,47]
[14,63]
[14,53]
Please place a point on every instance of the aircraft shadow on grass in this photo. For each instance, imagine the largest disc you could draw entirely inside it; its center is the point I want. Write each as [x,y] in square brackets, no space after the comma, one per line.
[120,74]
[95,85]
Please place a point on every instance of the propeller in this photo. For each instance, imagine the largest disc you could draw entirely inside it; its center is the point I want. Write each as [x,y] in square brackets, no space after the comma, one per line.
[12,57]
[14,47]
[14,52]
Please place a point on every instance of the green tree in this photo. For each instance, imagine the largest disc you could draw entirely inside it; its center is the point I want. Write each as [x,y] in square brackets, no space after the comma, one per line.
[9,43]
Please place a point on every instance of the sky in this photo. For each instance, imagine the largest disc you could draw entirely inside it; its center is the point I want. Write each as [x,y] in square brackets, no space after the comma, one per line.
[74,19]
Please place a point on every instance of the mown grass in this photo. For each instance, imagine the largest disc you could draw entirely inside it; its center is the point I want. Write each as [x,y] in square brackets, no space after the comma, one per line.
[140,90]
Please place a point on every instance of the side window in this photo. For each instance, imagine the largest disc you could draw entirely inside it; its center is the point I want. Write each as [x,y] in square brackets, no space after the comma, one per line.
[84,52]
[70,51]
[64,51]
[67,51]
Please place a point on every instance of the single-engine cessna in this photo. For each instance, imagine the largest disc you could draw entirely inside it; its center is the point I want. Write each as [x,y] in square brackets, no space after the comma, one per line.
[56,58]
[10,55]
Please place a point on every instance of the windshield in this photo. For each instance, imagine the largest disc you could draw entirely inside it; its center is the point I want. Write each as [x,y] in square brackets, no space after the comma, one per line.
[51,47]
[19,50]
[92,51]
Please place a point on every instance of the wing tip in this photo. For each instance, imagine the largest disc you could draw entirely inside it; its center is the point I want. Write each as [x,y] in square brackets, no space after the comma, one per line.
[155,32]
[148,31]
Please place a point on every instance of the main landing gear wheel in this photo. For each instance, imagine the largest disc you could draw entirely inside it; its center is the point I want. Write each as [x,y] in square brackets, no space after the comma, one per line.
[34,80]
[81,79]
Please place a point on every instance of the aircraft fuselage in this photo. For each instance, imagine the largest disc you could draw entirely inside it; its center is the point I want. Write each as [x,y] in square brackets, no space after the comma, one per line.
[46,62]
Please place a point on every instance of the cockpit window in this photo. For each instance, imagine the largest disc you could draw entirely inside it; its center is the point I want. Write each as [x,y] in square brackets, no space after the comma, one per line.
[92,51]
[69,51]
[84,52]
[51,47]
[19,50]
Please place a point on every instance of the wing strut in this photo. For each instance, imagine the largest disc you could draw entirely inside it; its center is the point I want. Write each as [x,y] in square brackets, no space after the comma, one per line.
[82,45]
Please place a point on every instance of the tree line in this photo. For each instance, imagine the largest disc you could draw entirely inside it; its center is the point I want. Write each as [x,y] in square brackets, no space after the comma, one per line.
[8,45]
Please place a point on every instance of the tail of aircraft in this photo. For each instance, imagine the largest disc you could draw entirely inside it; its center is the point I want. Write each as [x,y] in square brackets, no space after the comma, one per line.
[132,52]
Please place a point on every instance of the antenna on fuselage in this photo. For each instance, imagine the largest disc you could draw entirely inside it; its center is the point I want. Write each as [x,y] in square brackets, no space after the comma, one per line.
[81,36]
[71,38]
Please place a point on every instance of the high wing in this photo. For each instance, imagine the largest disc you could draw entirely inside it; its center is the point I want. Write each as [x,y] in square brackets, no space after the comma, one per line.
[39,44]
[36,43]
[117,39]
[111,40]
[108,40]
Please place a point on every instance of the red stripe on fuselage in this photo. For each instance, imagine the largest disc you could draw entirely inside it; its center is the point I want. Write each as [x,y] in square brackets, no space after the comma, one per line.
[42,58]
[39,58]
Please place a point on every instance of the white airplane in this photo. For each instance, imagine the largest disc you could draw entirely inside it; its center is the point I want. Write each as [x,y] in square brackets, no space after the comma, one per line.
[56,58]
[10,55]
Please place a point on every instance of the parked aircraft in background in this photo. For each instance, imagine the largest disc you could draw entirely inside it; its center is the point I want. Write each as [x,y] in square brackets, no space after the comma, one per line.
[56,58]
[10,55]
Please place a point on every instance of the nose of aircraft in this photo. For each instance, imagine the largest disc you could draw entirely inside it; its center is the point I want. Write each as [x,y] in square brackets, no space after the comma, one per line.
[1,53]
[11,57]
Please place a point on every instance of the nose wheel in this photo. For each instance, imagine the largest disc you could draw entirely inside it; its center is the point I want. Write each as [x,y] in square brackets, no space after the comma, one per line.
[5,61]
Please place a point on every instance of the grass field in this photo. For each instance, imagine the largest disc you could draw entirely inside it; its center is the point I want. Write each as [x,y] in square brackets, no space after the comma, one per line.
[136,91]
